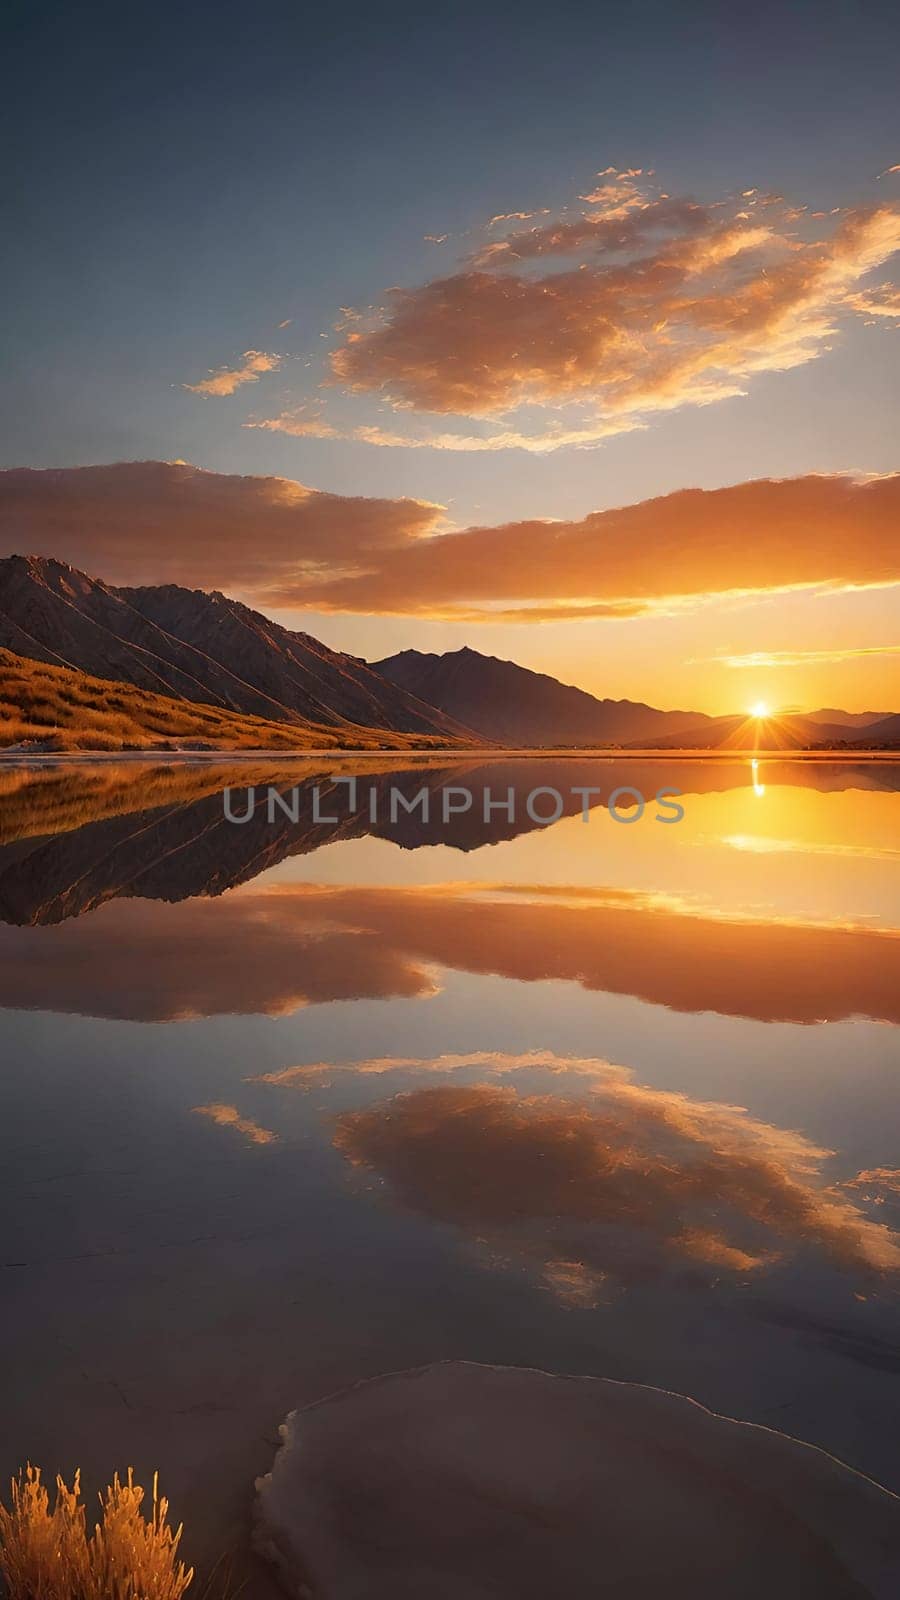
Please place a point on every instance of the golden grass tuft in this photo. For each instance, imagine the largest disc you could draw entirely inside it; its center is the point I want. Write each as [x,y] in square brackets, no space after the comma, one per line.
[46,1554]
[61,708]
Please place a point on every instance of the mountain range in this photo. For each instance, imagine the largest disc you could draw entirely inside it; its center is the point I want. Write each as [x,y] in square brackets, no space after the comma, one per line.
[511,705]
[73,838]
[786,731]
[193,649]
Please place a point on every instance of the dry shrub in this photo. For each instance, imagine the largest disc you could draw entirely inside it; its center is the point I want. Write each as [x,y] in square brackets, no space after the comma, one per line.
[90,739]
[43,1553]
[46,1554]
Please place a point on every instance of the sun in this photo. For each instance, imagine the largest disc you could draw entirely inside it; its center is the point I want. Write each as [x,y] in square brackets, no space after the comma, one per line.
[760,710]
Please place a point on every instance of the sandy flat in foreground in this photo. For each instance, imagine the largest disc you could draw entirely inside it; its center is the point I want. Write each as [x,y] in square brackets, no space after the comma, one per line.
[468,1482]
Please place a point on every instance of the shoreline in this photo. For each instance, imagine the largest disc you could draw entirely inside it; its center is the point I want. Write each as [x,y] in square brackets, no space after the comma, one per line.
[480,753]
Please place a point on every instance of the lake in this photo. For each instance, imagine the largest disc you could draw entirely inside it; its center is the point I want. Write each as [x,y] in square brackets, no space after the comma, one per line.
[287,1103]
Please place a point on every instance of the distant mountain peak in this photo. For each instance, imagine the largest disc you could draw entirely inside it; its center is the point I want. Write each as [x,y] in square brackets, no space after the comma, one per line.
[515,705]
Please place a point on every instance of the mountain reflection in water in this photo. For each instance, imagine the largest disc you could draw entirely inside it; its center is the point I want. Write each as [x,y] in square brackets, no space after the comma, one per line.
[339,1098]
[282,945]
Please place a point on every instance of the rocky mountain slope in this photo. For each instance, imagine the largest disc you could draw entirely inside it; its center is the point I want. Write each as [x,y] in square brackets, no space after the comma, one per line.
[45,709]
[204,647]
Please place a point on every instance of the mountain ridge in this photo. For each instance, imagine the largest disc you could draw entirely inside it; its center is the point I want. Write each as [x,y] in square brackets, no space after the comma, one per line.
[232,658]
[459,682]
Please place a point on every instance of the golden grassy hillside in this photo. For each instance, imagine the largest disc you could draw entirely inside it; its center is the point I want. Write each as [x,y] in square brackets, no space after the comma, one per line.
[63,709]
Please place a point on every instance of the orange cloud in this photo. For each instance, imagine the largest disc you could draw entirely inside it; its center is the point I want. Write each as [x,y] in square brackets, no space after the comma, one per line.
[801,658]
[881,302]
[515,216]
[754,537]
[295,423]
[299,422]
[169,522]
[284,544]
[603,229]
[886,1178]
[228,379]
[618,1185]
[663,302]
[229,1117]
[313,944]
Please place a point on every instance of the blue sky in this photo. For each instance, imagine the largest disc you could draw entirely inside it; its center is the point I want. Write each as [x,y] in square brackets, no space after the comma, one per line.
[184,180]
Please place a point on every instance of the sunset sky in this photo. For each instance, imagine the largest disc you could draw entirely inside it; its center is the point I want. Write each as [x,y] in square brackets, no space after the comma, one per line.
[570,333]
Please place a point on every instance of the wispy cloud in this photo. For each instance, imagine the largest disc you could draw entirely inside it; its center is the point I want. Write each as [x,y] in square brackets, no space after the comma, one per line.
[516,216]
[800,658]
[873,303]
[229,1117]
[634,1178]
[297,423]
[886,1178]
[300,422]
[626,305]
[228,379]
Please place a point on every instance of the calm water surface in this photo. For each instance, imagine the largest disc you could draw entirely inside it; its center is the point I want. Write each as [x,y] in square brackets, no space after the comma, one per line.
[285,1105]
